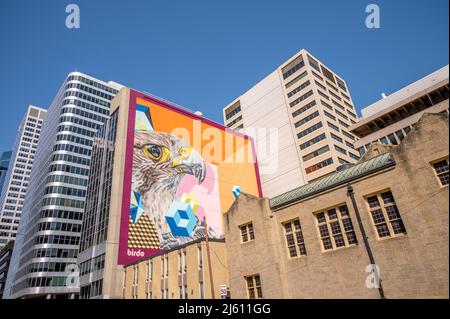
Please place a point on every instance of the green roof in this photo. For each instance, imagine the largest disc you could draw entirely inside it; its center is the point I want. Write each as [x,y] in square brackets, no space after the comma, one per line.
[333,180]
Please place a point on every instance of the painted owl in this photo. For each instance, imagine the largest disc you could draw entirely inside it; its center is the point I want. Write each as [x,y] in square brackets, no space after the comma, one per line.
[160,162]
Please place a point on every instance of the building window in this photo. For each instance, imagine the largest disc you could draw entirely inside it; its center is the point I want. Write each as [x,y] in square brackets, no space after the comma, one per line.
[336,228]
[254,290]
[247,232]
[294,238]
[149,270]
[385,215]
[200,256]
[201,290]
[319,165]
[441,170]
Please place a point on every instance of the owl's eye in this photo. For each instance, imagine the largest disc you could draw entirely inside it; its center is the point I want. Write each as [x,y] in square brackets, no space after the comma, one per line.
[153,151]
[185,151]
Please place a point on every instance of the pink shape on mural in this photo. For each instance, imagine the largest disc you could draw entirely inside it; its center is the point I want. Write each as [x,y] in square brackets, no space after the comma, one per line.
[207,194]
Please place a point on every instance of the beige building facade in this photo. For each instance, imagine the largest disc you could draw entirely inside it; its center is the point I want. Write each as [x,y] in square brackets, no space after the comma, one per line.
[310,242]
[390,119]
[182,273]
[299,116]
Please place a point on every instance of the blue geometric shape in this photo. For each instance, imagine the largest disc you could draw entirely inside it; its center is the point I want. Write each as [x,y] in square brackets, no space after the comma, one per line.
[143,119]
[136,206]
[236,191]
[181,219]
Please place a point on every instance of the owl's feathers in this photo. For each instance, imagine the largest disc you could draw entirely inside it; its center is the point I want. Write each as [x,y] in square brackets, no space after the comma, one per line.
[160,161]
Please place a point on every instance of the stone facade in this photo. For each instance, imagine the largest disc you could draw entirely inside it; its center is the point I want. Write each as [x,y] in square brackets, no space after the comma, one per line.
[411,265]
[148,278]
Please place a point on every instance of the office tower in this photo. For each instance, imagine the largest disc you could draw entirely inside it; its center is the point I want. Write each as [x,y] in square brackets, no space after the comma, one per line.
[390,119]
[5,157]
[46,247]
[190,192]
[310,108]
[17,178]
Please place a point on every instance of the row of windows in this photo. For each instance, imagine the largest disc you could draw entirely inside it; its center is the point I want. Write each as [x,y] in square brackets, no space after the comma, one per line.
[75,129]
[350,136]
[71,158]
[299,88]
[89,90]
[74,139]
[91,265]
[296,79]
[313,63]
[309,130]
[56,239]
[328,74]
[63,202]
[69,169]
[63,214]
[301,98]
[72,148]
[312,141]
[87,106]
[76,120]
[67,180]
[316,153]
[306,119]
[335,228]
[304,108]
[54,253]
[57,281]
[47,267]
[341,85]
[94,289]
[86,97]
[232,113]
[294,69]
[82,113]
[235,121]
[67,227]
[319,165]
[92,83]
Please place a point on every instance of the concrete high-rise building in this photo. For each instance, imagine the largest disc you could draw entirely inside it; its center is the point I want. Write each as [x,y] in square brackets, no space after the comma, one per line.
[390,119]
[310,108]
[5,157]
[46,246]
[18,174]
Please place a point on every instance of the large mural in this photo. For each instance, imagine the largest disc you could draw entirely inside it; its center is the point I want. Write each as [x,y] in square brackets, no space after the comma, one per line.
[182,172]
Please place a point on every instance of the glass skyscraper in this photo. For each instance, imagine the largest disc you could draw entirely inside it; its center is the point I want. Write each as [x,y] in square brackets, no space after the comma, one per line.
[16,179]
[4,163]
[44,259]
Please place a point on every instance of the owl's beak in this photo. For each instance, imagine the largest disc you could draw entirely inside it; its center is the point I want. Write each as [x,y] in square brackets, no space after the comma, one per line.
[192,165]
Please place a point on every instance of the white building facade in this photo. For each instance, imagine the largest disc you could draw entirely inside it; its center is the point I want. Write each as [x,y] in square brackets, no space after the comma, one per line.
[390,119]
[45,254]
[299,116]
[16,180]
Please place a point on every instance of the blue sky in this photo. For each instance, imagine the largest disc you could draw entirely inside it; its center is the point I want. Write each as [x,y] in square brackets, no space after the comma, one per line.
[202,53]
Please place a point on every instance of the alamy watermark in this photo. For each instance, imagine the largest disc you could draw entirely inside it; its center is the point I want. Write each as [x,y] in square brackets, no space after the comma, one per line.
[373,19]
[373,279]
[73,19]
